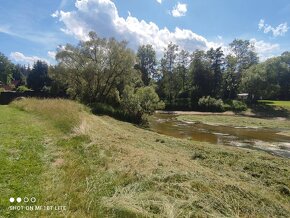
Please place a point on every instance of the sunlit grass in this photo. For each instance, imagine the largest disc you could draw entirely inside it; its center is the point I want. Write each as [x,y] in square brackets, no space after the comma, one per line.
[64,114]
[101,167]
[285,104]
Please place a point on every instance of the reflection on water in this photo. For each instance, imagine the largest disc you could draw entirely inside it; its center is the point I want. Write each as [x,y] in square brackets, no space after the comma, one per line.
[255,138]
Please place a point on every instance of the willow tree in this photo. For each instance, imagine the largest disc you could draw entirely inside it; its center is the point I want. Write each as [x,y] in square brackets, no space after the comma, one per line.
[96,70]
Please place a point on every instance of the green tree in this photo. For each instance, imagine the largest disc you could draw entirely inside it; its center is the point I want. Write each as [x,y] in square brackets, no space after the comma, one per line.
[183,62]
[147,63]
[6,69]
[230,83]
[202,75]
[245,53]
[216,58]
[38,77]
[168,64]
[140,101]
[268,80]
[243,57]
[97,70]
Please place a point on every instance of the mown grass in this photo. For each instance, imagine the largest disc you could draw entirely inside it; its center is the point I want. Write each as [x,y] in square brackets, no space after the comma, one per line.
[21,153]
[101,167]
[285,104]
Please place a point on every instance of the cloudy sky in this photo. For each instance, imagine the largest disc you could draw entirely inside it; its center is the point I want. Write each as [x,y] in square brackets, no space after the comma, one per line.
[31,30]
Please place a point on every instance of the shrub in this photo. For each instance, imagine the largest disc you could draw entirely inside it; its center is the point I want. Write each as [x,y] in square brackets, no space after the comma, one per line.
[238,106]
[101,108]
[140,102]
[117,113]
[22,89]
[227,107]
[211,104]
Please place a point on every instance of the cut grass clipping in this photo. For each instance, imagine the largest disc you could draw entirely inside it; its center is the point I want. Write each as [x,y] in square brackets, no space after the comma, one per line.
[97,166]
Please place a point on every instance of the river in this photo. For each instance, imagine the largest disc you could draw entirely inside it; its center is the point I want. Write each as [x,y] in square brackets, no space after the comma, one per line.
[254,138]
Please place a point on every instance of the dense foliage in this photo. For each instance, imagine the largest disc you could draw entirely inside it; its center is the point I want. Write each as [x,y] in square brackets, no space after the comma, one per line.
[269,80]
[105,73]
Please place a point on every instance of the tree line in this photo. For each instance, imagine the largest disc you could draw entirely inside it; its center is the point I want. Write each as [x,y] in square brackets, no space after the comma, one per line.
[110,77]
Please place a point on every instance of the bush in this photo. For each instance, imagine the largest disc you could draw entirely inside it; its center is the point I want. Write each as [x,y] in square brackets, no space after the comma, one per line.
[117,113]
[101,108]
[211,104]
[227,107]
[22,89]
[238,106]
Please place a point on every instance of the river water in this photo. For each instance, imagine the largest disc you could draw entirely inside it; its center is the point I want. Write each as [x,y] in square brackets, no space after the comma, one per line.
[254,138]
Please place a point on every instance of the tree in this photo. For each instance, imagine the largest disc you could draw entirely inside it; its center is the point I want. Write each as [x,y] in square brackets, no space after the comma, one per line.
[216,59]
[147,63]
[245,53]
[284,76]
[202,75]
[230,82]
[168,65]
[98,69]
[269,80]
[140,101]
[183,62]
[38,77]
[6,69]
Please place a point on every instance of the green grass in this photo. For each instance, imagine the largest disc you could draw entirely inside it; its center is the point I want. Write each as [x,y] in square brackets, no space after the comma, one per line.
[100,167]
[285,104]
[21,153]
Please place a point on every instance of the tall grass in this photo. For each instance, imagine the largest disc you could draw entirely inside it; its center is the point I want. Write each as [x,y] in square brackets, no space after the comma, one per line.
[63,114]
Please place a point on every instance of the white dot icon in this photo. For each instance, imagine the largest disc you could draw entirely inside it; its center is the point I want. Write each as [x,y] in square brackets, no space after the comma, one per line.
[11,200]
[18,200]
[33,199]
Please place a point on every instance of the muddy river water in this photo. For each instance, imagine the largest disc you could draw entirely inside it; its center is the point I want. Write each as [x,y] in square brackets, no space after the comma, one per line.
[254,138]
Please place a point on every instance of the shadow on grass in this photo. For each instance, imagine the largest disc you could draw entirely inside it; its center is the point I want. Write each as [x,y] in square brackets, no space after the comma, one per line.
[264,109]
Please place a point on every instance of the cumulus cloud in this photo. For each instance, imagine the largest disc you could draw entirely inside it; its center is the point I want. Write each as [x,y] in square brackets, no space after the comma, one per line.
[179,10]
[159,1]
[265,50]
[21,58]
[102,17]
[280,30]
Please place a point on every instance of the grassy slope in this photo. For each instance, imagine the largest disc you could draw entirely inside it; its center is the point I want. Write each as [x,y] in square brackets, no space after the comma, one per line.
[98,166]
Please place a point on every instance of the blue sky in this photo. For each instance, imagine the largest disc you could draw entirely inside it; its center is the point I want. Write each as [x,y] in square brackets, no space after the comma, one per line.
[31,30]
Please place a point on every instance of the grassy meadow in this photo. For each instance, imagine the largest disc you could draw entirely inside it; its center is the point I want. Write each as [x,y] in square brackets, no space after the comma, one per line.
[284,104]
[96,166]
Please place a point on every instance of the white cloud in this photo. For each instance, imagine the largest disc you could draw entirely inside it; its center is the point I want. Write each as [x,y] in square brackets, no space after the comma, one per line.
[21,58]
[265,50]
[179,10]
[51,54]
[159,1]
[280,30]
[102,17]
